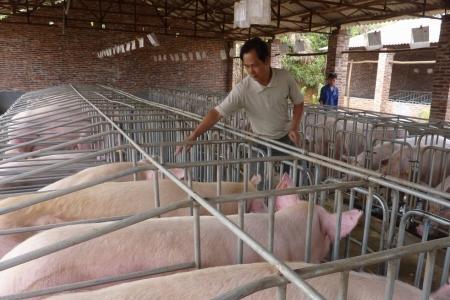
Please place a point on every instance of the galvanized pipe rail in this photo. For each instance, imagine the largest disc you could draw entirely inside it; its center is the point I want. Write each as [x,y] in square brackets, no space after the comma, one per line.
[372,176]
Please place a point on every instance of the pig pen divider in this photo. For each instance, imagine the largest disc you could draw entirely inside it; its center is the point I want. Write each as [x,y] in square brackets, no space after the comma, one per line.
[396,184]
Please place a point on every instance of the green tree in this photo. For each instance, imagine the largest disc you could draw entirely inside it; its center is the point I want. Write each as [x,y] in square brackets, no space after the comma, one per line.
[307,70]
[363,29]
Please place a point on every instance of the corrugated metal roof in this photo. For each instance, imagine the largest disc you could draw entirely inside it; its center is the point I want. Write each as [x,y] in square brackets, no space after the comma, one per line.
[399,32]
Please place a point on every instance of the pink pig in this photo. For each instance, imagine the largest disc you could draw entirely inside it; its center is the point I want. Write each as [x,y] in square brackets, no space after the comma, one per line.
[167,241]
[24,123]
[111,199]
[90,174]
[220,280]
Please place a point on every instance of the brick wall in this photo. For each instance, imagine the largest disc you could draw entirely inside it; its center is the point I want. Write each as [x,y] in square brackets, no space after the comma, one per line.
[364,76]
[404,77]
[441,77]
[413,77]
[275,54]
[34,57]
[336,60]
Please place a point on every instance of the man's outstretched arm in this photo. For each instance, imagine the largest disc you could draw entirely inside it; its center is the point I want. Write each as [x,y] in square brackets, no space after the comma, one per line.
[211,118]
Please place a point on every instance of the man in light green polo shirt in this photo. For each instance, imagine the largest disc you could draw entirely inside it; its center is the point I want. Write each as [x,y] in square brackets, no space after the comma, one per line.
[264,95]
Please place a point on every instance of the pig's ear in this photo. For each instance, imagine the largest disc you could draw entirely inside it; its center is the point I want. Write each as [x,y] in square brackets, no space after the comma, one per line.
[443,293]
[285,201]
[285,182]
[327,221]
[255,180]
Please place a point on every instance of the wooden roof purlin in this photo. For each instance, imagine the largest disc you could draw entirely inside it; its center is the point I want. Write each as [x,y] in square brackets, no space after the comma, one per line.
[212,19]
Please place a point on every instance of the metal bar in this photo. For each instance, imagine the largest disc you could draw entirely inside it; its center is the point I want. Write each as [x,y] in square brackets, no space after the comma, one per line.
[271,227]
[309,226]
[431,258]
[281,292]
[336,244]
[372,176]
[391,277]
[368,215]
[343,286]
[445,267]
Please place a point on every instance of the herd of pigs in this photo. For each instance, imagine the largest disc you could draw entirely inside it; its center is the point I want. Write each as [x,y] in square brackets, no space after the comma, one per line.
[168,240]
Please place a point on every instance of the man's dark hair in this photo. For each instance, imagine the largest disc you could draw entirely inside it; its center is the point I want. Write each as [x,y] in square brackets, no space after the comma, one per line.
[257,44]
[331,75]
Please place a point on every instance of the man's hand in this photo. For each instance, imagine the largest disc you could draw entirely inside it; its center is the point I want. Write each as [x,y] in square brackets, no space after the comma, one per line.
[211,118]
[294,137]
[296,117]
[185,145]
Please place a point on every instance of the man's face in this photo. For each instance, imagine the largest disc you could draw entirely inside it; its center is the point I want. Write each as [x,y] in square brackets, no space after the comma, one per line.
[332,81]
[257,69]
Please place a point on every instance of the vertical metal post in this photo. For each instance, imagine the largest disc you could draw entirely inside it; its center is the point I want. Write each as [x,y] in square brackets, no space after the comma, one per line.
[156,189]
[241,211]
[444,277]
[431,258]
[419,268]
[219,184]
[393,219]
[343,286]
[340,197]
[271,207]
[196,217]
[316,182]
[368,213]
[350,207]
[281,292]
[391,276]
[133,157]
[309,226]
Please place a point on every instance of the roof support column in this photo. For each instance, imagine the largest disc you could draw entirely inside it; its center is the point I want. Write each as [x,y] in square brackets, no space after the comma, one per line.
[230,67]
[275,54]
[440,103]
[337,61]
[383,82]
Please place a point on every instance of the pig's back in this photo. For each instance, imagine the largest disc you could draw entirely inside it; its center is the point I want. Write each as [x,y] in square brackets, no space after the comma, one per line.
[211,282]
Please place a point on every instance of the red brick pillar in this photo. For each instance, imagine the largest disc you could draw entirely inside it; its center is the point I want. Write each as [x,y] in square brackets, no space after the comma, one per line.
[275,54]
[440,104]
[337,61]
[383,83]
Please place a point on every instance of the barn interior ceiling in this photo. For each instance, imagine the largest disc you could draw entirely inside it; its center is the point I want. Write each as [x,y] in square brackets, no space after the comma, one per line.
[207,18]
